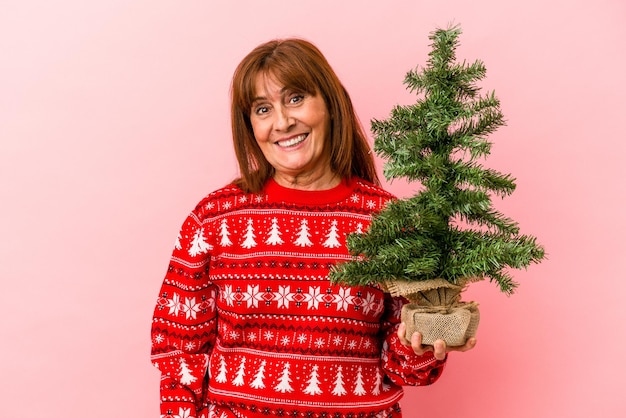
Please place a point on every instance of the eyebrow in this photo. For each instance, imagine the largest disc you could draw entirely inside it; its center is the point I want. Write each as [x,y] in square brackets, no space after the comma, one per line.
[261,98]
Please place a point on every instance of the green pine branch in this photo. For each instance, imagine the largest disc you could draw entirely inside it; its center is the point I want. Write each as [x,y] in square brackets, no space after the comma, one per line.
[450,228]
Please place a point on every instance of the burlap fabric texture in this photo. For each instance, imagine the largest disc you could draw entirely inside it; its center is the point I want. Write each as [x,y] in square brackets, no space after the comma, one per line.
[436,311]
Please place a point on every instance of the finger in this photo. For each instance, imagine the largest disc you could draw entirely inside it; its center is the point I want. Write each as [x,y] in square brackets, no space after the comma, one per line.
[416,344]
[402,334]
[439,349]
[469,344]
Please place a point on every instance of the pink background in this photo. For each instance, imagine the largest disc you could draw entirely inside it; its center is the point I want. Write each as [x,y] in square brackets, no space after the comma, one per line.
[114,123]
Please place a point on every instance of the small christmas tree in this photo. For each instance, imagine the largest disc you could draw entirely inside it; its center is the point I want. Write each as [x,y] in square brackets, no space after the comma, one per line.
[448,233]
[186,377]
[198,244]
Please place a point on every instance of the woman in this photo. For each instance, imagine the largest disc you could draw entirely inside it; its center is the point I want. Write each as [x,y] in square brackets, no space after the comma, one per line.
[247,323]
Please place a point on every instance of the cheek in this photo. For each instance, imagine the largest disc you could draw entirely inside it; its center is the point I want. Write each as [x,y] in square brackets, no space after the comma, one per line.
[260,130]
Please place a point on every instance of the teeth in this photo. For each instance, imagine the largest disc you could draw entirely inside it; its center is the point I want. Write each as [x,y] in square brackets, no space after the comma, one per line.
[293,141]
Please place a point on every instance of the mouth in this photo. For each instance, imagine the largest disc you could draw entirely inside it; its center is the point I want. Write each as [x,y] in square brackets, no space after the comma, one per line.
[292,141]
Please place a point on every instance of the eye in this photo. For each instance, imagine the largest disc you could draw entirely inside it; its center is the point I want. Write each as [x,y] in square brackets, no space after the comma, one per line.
[296,98]
[261,110]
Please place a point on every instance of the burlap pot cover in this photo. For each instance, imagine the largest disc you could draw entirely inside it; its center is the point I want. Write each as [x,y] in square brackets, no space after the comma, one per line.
[454,324]
[435,309]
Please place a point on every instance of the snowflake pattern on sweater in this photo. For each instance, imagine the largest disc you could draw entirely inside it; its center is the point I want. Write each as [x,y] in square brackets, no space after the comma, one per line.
[248,324]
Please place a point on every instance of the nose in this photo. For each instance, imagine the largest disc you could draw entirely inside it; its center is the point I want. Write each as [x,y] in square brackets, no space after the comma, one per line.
[283,119]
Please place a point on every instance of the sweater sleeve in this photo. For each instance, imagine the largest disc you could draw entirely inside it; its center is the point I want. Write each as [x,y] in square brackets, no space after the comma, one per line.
[184,323]
[401,364]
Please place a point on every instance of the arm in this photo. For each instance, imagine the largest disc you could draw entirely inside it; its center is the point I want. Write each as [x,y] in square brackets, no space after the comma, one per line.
[184,323]
[400,362]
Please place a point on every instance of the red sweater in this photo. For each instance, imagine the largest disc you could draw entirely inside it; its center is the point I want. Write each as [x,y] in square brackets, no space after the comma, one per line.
[247,323]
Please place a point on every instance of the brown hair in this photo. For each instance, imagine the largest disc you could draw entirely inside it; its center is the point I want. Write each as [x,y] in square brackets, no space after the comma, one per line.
[300,66]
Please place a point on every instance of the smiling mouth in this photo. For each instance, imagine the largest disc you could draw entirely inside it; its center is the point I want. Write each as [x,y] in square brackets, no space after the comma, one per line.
[293,141]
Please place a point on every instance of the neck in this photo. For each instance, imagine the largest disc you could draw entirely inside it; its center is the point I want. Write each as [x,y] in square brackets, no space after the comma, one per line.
[325,181]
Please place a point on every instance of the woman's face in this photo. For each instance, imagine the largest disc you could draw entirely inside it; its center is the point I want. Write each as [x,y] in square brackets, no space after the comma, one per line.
[292,130]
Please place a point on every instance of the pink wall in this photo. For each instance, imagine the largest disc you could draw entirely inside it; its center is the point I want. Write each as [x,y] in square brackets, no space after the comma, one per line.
[114,123]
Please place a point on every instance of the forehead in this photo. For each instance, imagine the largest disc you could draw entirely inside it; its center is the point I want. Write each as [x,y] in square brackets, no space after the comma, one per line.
[267,86]
[282,80]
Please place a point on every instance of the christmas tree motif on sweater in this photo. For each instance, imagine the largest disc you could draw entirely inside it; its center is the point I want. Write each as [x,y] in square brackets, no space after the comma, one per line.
[339,389]
[358,388]
[221,376]
[359,228]
[177,243]
[313,388]
[331,237]
[241,372]
[284,383]
[249,242]
[198,243]
[186,378]
[224,233]
[258,383]
[274,234]
[377,383]
[303,235]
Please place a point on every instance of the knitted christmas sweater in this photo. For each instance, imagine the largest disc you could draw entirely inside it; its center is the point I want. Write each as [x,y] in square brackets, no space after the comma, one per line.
[247,323]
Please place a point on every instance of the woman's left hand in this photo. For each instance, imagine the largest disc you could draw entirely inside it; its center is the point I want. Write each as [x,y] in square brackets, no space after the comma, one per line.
[439,347]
